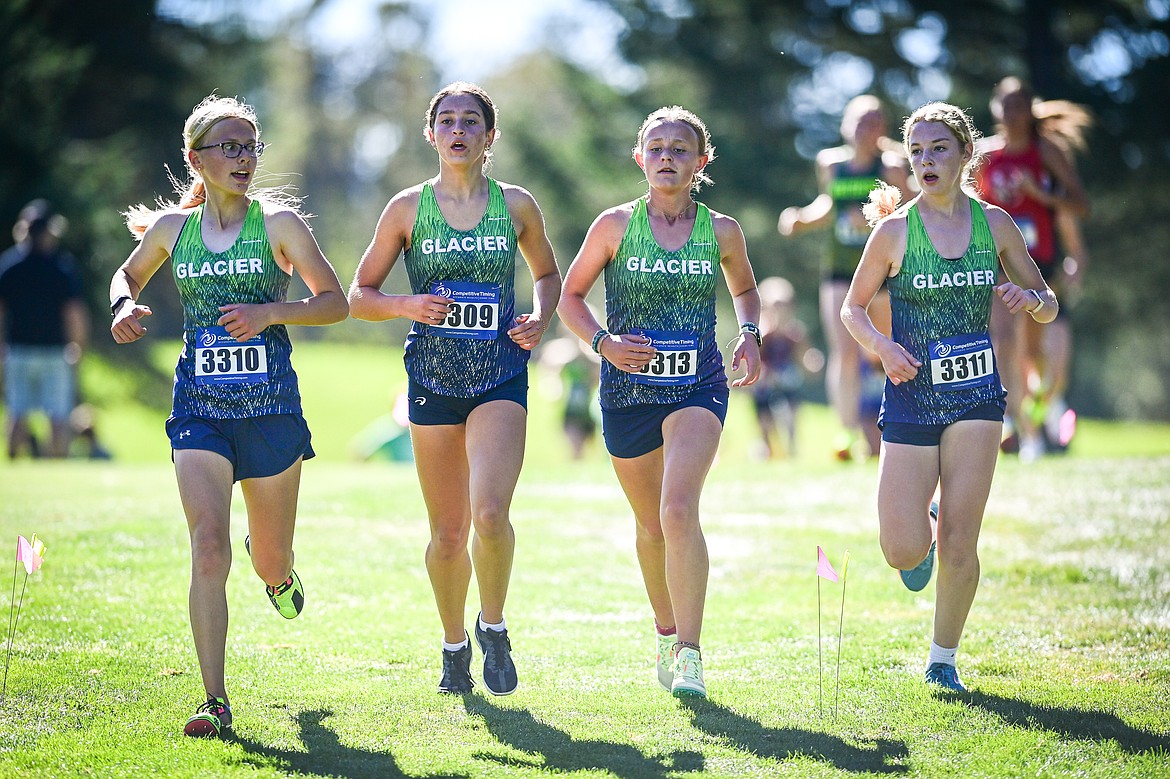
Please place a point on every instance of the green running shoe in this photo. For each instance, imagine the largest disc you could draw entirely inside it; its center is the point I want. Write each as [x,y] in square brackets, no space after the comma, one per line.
[288,598]
[688,674]
[918,577]
[665,658]
[210,719]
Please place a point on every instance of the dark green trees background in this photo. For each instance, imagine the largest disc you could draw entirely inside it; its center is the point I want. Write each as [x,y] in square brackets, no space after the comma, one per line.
[94,95]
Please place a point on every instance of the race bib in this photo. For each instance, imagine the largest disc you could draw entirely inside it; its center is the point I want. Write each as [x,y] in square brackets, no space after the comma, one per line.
[474,312]
[221,359]
[961,362]
[675,362]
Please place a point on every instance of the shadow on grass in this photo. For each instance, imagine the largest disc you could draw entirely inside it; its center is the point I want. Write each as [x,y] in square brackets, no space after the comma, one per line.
[561,752]
[327,756]
[1070,723]
[886,756]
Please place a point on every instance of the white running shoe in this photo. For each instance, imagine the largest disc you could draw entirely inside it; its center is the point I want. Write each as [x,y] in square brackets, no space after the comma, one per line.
[688,674]
[665,662]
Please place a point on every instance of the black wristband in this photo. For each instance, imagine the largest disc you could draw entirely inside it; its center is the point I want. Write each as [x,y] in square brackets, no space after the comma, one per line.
[118,304]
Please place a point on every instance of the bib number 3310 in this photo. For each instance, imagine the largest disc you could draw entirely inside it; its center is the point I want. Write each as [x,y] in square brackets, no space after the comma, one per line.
[221,359]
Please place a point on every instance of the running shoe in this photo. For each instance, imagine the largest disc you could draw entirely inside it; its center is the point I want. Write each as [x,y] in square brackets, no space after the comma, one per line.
[919,576]
[457,671]
[288,598]
[688,674]
[665,658]
[499,672]
[210,719]
[945,676]
[1031,448]
[1010,443]
[844,445]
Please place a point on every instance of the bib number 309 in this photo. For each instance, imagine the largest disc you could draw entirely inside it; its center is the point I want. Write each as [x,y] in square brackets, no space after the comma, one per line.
[474,310]
[221,359]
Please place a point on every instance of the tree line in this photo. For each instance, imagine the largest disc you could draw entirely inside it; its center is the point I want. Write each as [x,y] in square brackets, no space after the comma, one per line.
[95,95]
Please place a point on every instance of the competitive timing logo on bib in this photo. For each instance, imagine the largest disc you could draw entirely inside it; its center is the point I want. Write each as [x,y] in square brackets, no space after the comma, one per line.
[466,292]
[207,338]
[961,344]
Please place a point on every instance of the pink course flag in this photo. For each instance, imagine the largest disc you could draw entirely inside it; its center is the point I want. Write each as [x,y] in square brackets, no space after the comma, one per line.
[824,569]
[32,554]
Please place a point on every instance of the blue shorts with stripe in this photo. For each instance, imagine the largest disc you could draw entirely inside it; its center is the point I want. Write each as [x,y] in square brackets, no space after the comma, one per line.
[637,430]
[431,408]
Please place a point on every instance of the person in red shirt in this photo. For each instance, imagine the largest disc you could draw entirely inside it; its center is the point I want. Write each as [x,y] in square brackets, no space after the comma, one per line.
[1030,173]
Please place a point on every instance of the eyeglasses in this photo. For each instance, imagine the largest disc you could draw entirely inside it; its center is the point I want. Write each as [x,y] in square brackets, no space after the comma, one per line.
[232,150]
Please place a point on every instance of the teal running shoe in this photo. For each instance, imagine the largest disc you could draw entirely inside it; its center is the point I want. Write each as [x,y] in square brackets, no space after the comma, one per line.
[945,676]
[210,719]
[918,577]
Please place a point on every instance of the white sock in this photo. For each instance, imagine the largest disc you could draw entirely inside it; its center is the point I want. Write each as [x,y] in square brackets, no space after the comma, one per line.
[456,647]
[499,628]
[940,654]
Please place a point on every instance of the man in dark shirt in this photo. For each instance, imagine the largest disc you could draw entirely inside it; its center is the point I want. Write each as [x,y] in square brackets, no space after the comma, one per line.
[44,325]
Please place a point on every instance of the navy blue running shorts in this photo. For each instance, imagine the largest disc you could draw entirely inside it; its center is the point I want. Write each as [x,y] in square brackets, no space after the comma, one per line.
[637,430]
[255,446]
[931,435]
[431,408]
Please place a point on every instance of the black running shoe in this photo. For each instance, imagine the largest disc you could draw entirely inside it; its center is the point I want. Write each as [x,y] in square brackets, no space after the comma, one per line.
[457,671]
[499,672]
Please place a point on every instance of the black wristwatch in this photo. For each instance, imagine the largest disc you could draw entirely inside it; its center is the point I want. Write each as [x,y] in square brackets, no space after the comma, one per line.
[118,304]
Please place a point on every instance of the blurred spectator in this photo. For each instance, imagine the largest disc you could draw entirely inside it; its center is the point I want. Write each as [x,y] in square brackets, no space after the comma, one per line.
[45,327]
[845,176]
[783,352]
[579,371]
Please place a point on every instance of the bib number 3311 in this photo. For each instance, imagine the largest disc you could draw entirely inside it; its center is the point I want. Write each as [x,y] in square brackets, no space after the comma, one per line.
[962,362]
[221,359]
[474,311]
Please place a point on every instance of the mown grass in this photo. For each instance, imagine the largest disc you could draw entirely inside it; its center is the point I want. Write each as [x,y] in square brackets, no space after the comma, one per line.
[1067,650]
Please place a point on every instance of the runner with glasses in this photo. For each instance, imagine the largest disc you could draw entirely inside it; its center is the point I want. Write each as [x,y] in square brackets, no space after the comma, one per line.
[233,150]
[236,414]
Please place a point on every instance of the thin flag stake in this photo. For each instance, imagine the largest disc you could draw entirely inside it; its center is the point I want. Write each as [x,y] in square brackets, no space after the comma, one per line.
[841,631]
[824,571]
[32,555]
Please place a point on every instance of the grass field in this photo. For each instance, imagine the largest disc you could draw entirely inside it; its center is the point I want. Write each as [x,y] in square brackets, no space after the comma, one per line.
[1067,651]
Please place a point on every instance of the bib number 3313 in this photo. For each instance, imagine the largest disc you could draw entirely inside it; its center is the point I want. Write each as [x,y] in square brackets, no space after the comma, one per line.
[962,362]
[474,311]
[675,361]
[221,359]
